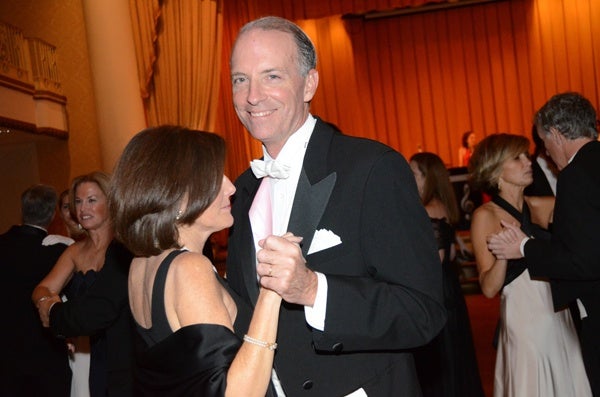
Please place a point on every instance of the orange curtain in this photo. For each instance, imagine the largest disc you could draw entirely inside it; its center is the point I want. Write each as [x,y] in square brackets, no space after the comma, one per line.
[416,82]
[144,20]
[179,46]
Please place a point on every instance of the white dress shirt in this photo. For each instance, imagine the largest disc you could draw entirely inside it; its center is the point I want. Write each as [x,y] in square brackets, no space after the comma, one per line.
[283,192]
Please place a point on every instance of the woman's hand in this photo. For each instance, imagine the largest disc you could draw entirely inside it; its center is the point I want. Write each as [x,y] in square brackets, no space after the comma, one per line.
[43,305]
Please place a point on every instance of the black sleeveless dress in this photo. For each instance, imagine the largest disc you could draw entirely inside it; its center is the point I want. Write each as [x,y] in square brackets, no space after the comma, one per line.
[193,361]
[447,366]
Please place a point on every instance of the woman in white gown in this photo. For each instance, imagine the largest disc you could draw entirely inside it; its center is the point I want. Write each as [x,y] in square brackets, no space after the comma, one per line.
[538,349]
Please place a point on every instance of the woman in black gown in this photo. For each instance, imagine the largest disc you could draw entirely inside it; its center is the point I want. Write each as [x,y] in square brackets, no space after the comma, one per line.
[447,366]
[168,195]
[80,266]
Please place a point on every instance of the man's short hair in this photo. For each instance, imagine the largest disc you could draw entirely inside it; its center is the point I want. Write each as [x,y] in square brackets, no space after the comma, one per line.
[571,114]
[38,204]
[307,55]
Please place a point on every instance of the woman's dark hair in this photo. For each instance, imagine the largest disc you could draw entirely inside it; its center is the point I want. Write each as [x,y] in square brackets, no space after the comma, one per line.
[437,183]
[166,176]
[465,139]
[485,165]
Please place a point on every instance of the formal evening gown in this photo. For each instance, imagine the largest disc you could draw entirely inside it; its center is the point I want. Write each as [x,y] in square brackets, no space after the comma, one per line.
[538,349]
[447,366]
[95,357]
[191,361]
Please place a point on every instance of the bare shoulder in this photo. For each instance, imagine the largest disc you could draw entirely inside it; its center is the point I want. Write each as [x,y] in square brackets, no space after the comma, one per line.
[192,264]
[485,219]
[484,212]
[193,276]
[194,294]
[67,259]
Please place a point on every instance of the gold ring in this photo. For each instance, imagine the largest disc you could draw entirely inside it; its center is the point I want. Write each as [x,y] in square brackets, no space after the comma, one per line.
[270,270]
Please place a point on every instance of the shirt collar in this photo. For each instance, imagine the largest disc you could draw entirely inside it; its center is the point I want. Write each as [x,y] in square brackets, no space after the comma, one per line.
[294,148]
[36,226]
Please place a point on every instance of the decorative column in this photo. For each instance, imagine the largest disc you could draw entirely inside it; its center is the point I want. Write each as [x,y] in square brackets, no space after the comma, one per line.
[119,105]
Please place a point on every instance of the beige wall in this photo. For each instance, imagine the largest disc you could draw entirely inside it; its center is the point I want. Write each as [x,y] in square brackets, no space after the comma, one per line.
[61,24]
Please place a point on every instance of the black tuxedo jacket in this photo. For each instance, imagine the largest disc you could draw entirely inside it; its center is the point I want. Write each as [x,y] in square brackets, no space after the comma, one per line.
[104,308]
[28,349]
[384,279]
[572,258]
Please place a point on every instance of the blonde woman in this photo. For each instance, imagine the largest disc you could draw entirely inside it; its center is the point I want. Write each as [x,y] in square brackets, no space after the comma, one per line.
[538,350]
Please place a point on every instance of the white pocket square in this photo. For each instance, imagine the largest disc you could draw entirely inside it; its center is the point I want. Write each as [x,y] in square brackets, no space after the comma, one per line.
[322,240]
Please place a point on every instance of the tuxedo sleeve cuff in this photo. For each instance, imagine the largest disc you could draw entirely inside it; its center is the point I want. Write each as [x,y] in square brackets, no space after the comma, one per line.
[522,246]
[315,315]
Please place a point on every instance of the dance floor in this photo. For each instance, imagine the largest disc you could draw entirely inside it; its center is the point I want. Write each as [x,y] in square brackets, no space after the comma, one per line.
[483,313]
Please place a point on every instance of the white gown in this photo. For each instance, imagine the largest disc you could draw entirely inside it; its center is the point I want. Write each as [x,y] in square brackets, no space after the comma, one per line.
[538,349]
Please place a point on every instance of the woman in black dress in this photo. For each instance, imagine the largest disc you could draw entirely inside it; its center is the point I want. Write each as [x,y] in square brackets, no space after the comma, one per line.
[196,337]
[447,366]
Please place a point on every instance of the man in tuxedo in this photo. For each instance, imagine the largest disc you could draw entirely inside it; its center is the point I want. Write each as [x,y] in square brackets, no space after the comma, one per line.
[34,362]
[364,286]
[567,125]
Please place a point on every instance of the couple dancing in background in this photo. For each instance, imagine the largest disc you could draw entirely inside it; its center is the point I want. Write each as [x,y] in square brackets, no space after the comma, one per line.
[539,353]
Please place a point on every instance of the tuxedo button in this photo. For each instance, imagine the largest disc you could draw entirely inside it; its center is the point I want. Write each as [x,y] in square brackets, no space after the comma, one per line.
[307,385]
[338,347]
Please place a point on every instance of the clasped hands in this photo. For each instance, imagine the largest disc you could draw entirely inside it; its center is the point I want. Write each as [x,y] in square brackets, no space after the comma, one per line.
[506,243]
[282,268]
[43,305]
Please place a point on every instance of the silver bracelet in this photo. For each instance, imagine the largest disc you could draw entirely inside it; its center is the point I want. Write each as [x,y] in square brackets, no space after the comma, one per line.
[257,342]
[43,298]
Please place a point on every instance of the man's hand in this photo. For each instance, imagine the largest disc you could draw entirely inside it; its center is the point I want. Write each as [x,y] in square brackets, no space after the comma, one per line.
[506,244]
[282,268]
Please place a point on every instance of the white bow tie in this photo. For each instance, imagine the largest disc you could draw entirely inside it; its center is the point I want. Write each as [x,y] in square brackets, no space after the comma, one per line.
[271,168]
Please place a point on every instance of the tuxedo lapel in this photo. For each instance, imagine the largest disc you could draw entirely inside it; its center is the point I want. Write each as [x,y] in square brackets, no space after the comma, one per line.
[247,251]
[309,204]
[314,186]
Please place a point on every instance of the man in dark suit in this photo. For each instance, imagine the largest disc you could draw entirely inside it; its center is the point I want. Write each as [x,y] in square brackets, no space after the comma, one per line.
[34,362]
[365,283]
[103,308]
[567,125]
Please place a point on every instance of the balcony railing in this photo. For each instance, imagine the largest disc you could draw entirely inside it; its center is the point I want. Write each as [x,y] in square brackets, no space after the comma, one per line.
[31,97]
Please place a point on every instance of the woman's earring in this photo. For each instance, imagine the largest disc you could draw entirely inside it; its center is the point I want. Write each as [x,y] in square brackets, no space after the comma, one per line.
[178,216]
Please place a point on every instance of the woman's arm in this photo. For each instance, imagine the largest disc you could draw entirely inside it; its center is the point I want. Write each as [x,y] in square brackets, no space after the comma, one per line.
[492,271]
[542,209]
[47,290]
[461,156]
[250,371]
[193,295]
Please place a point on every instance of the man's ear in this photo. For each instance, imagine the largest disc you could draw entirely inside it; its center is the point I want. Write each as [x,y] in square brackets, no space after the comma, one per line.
[556,135]
[310,85]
